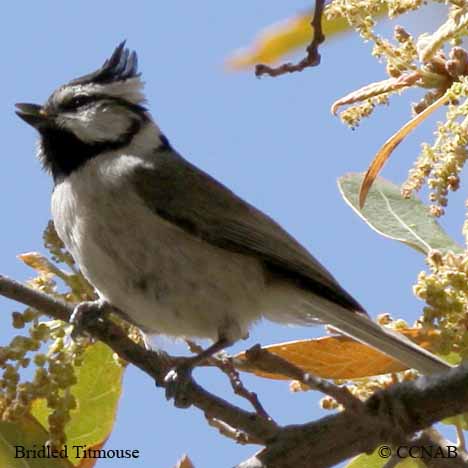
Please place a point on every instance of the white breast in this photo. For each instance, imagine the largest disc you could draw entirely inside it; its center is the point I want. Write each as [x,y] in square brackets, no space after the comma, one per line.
[166,280]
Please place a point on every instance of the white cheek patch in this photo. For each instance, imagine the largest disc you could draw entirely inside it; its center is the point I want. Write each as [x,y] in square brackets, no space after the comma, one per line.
[95,125]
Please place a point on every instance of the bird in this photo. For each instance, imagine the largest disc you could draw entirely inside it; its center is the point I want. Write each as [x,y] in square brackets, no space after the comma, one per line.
[167,245]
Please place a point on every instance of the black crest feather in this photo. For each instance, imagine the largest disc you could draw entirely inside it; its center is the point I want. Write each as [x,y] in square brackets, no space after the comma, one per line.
[121,66]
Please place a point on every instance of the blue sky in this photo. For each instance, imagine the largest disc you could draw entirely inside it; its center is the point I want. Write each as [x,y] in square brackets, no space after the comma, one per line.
[273,141]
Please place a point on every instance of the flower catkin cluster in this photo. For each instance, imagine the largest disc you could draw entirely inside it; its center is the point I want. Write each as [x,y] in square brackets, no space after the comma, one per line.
[435,65]
[53,377]
[440,164]
[365,388]
[432,62]
[400,56]
[41,362]
[445,291]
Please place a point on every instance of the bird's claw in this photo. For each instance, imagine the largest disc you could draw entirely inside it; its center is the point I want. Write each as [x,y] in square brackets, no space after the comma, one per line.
[177,382]
[84,314]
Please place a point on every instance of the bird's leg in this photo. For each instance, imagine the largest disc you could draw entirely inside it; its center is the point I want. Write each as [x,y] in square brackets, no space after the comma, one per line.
[208,352]
[85,313]
[176,379]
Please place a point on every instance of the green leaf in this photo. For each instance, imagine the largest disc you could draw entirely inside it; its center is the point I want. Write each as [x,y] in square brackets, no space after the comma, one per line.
[26,433]
[404,219]
[97,394]
[380,457]
[374,460]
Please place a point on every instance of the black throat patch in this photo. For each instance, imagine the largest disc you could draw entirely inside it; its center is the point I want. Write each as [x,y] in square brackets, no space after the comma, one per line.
[63,152]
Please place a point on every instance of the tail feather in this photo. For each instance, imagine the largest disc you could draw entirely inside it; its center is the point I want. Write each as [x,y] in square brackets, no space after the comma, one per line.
[389,342]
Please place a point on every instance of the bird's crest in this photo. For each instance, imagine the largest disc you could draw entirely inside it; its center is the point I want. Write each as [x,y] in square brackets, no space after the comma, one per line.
[118,77]
[121,66]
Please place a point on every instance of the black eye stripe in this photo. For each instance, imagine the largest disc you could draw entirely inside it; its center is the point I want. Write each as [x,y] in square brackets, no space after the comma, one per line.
[78,101]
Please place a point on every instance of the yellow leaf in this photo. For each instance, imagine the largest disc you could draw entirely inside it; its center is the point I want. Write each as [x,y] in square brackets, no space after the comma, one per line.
[274,42]
[90,462]
[335,357]
[38,262]
[282,38]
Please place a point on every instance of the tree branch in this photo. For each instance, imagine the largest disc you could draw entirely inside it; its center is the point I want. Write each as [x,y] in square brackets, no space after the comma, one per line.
[392,415]
[225,365]
[155,364]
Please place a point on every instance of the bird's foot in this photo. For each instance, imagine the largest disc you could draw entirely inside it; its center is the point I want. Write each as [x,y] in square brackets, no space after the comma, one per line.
[177,383]
[178,379]
[84,314]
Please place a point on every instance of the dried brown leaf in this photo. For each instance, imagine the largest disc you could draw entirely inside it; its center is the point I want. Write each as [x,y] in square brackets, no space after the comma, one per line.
[335,357]
[184,462]
[376,89]
[386,150]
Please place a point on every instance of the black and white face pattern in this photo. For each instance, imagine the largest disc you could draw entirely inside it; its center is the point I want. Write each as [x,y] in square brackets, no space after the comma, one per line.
[93,114]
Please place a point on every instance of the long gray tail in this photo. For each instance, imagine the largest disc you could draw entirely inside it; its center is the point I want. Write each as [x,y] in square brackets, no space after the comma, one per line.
[390,342]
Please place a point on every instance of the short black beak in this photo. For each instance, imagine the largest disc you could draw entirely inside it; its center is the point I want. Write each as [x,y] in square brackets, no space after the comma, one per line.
[32,114]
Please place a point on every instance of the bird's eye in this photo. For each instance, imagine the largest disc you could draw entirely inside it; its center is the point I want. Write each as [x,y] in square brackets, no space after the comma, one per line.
[78,101]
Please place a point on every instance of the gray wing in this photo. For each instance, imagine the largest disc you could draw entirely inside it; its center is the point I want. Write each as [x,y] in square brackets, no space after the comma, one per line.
[186,196]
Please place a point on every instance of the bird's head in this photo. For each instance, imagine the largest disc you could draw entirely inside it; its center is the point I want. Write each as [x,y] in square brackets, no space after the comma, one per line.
[100,111]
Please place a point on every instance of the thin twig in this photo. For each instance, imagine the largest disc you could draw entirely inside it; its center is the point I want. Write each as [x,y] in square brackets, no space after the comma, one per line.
[239,388]
[461,442]
[312,58]
[239,436]
[268,361]
[225,364]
